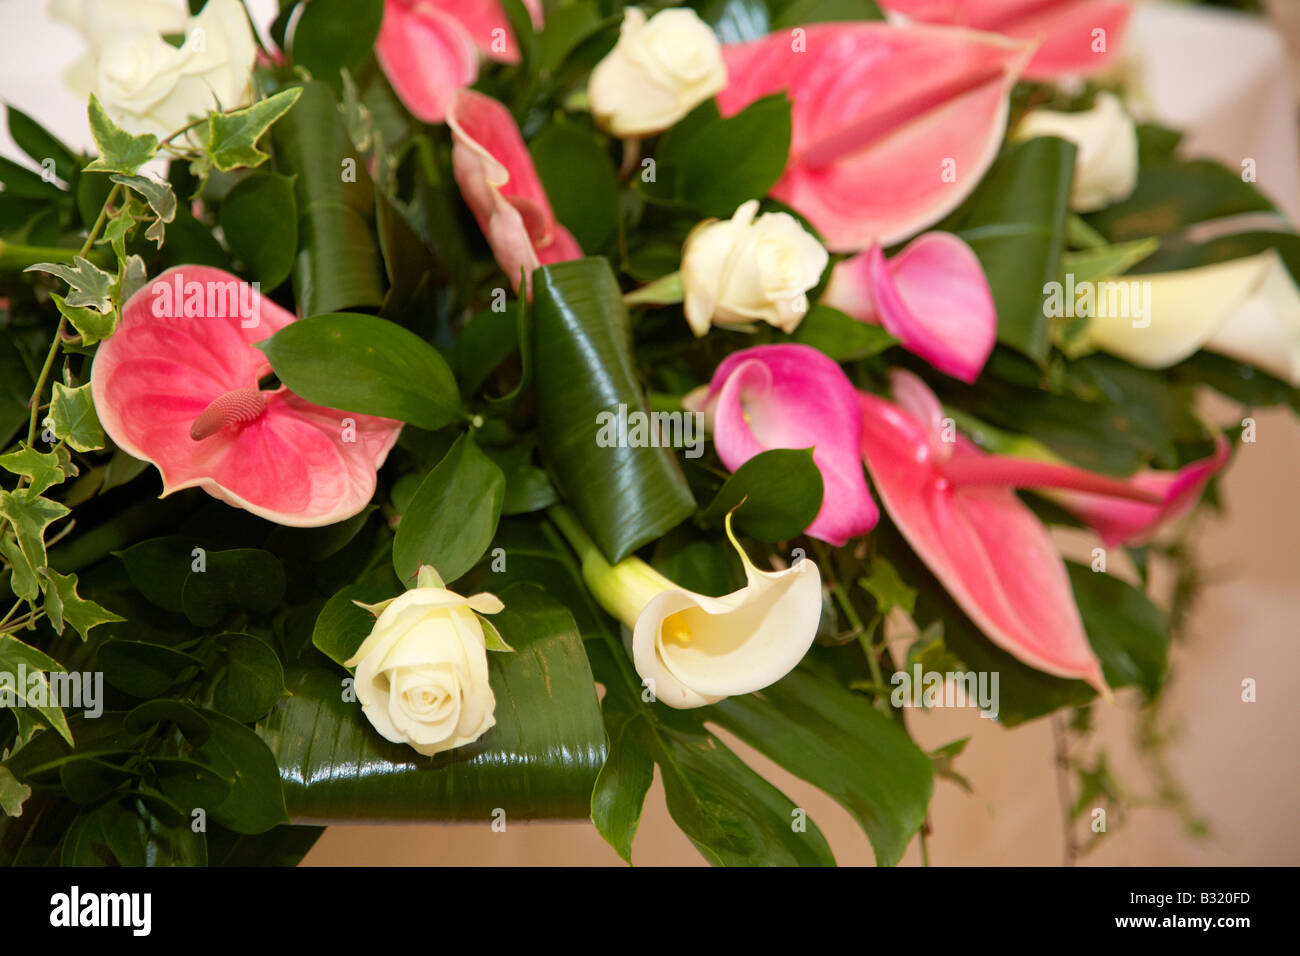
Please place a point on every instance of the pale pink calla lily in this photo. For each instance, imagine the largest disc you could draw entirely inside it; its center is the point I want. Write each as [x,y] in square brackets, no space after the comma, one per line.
[957,508]
[892,126]
[177,386]
[1077,36]
[429,49]
[793,396]
[932,297]
[501,187]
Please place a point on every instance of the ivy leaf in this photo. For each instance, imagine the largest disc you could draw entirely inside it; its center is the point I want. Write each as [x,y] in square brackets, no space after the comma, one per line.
[12,793]
[119,151]
[15,656]
[232,137]
[42,469]
[63,603]
[91,324]
[91,285]
[22,580]
[888,588]
[119,227]
[30,515]
[160,198]
[72,416]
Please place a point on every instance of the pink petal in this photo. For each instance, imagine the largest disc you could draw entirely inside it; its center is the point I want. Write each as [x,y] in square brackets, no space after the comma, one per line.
[1064,28]
[932,297]
[1121,521]
[881,114]
[482,19]
[983,544]
[427,56]
[501,187]
[793,396]
[296,464]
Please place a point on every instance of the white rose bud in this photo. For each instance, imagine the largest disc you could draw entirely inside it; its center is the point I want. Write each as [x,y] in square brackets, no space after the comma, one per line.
[660,70]
[422,674]
[1105,167]
[146,84]
[740,270]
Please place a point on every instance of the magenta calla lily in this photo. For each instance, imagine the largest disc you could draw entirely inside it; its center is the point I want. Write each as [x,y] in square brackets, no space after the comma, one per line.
[177,385]
[932,297]
[983,544]
[429,49]
[1075,36]
[500,185]
[793,396]
[892,126]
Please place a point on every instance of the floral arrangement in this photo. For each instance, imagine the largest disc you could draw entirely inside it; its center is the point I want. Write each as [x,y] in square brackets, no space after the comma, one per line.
[440,410]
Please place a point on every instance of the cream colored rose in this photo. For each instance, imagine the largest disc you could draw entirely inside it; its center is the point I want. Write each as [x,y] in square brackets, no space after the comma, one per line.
[422,674]
[660,70]
[146,84]
[1105,167]
[740,270]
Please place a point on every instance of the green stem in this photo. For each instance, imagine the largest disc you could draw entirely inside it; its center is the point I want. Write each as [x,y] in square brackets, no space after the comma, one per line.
[864,633]
[20,257]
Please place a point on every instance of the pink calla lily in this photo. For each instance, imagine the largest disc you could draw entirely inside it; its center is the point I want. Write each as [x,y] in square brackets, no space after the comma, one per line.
[932,297]
[793,396]
[429,49]
[177,386]
[1067,29]
[892,126]
[501,187]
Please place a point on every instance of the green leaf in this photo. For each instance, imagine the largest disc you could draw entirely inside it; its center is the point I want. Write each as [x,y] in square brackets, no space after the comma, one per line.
[15,656]
[1128,632]
[248,678]
[231,140]
[1105,261]
[238,579]
[40,145]
[713,164]
[1016,223]
[72,416]
[663,291]
[128,833]
[160,198]
[92,325]
[119,151]
[259,219]
[793,13]
[581,183]
[189,784]
[625,496]
[30,514]
[90,285]
[185,717]
[22,578]
[539,760]
[158,568]
[842,337]
[64,604]
[255,802]
[450,521]
[335,35]
[143,669]
[781,491]
[341,625]
[360,363]
[819,731]
[42,469]
[884,584]
[13,794]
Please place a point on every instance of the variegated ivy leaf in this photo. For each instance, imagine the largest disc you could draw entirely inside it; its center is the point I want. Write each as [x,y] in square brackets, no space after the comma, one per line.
[22,576]
[120,226]
[231,138]
[160,198]
[133,277]
[12,793]
[91,286]
[119,151]
[92,325]
[63,603]
[15,656]
[42,469]
[30,515]
[73,419]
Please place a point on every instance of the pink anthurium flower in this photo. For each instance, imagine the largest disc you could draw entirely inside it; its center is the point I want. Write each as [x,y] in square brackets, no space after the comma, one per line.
[957,508]
[892,126]
[1077,36]
[932,297]
[177,386]
[793,396]
[429,49]
[501,187]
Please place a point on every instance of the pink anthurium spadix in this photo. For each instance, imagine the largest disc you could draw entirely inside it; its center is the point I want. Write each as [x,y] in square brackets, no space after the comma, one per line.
[793,396]
[892,126]
[1076,36]
[957,508]
[933,297]
[429,49]
[500,184]
[177,385]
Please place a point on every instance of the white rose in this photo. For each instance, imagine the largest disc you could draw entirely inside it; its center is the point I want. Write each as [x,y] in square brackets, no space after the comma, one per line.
[659,71]
[742,269]
[143,82]
[422,674]
[1105,167]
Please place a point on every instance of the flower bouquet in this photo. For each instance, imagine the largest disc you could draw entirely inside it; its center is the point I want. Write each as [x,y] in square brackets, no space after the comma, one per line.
[418,410]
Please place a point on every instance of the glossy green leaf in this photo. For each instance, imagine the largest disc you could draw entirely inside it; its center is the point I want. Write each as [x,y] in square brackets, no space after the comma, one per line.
[450,521]
[142,669]
[239,579]
[335,35]
[42,146]
[841,336]
[1128,632]
[1170,196]
[341,625]
[255,802]
[248,677]
[583,368]
[581,184]
[781,491]
[360,363]
[259,219]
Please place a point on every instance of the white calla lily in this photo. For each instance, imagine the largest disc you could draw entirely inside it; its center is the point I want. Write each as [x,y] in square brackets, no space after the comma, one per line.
[691,649]
[1247,309]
